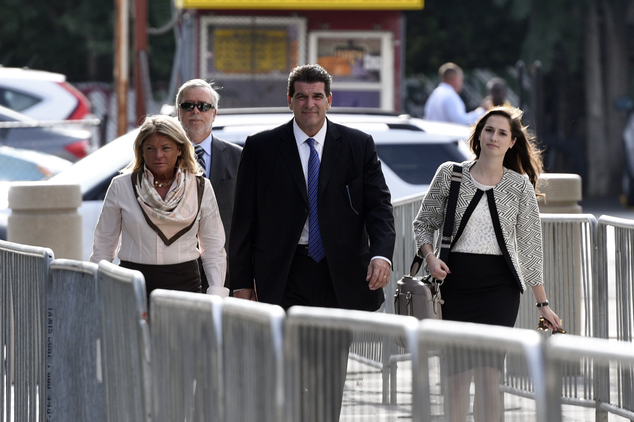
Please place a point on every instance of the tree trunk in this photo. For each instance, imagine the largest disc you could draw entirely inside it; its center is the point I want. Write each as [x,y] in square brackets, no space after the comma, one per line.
[616,84]
[599,159]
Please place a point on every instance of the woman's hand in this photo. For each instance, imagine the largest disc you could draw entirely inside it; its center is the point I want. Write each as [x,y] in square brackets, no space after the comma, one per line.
[552,320]
[437,267]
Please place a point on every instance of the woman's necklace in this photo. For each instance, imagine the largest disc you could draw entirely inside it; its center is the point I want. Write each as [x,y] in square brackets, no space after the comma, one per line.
[163,184]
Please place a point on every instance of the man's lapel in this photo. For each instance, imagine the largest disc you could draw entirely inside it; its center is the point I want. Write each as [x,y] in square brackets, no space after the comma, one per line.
[287,147]
[218,160]
[330,154]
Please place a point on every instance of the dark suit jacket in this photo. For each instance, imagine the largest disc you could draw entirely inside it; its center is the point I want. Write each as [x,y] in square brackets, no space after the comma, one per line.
[271,207]
[225,157]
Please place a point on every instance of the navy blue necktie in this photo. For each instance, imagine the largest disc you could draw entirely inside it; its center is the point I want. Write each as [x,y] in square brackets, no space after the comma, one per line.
[315,247]
[200,157]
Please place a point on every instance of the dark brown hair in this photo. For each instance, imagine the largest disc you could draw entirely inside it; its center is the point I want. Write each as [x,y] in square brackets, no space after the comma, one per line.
[525,157]
[308,73]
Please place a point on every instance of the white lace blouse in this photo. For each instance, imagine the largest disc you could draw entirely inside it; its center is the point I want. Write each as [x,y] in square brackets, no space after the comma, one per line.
[478,236]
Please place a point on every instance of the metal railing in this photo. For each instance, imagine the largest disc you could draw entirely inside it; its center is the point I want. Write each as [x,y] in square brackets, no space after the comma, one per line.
[448,350]
[23,275]
[48,123]
[125,343]
[74,391]
[611,360]
[186,357]
[102,325]
[326,383]
[252,350]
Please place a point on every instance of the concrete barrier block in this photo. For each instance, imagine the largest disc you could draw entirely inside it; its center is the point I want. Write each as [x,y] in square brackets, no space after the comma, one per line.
[563,193]
[44,214]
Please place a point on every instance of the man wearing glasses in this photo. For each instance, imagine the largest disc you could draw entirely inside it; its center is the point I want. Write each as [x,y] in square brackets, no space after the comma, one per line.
[196,105]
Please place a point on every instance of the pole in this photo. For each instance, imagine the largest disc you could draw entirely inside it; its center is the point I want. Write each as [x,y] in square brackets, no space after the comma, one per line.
[122,65]
[140,47]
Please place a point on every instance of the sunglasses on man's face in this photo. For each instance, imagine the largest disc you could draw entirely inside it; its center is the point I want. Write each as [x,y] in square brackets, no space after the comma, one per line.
[200,106]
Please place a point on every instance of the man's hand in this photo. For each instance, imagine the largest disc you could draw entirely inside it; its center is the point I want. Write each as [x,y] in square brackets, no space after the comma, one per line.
[378,274]
[248,294]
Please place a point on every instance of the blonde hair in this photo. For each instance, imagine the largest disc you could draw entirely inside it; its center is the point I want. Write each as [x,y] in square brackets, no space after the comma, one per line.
[170,127]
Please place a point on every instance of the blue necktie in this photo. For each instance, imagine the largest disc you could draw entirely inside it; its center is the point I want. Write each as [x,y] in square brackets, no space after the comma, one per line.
[200,157]
[315,247]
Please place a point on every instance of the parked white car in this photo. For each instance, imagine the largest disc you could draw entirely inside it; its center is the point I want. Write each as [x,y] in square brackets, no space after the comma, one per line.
[41,95]
[410,151]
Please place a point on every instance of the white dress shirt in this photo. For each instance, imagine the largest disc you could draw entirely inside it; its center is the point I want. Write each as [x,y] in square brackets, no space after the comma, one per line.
[304,155]
[121,218]
[445,105]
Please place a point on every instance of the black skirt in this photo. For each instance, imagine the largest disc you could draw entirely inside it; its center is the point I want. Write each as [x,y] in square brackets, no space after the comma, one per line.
[184,276]
[481,289]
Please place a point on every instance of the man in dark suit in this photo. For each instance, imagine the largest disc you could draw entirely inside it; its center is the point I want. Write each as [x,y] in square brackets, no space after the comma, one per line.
[269,255]
[197,104]
[313,226]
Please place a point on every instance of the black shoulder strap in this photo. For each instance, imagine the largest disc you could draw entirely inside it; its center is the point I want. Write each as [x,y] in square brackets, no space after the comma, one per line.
[450,214]
[497,227]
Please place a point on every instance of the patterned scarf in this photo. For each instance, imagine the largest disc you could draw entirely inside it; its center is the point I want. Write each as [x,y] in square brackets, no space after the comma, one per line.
[173,216]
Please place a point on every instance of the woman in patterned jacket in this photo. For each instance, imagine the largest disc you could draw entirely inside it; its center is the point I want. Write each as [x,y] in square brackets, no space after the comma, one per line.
[496,248]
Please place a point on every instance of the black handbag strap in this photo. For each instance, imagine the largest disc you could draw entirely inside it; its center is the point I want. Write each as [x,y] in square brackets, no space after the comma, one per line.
[445,244]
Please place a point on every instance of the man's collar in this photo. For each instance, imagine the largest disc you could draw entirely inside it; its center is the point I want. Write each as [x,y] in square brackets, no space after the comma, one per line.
[300,136]
[206,144]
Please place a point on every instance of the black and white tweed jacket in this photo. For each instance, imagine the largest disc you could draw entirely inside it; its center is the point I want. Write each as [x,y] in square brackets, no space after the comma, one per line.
[516,207]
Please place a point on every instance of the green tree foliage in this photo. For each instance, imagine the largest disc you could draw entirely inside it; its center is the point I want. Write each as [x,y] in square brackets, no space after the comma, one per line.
[76,38]
[480,34]
[162,47]
[66,36]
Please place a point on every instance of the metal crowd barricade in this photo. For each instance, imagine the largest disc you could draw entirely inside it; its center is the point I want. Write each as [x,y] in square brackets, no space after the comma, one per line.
[375,351]
[23,275]
[616,264]
[125,343]
[569,245]
[74,391]
[186,357]
[446,349]
[323,384]
[611,360]
[616,286]
[252,336]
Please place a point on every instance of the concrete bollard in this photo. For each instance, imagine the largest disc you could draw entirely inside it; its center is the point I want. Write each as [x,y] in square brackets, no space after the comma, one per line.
[563,193]
[44,214]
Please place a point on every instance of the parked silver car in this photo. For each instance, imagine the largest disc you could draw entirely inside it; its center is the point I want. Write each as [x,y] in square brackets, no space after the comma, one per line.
[19,131]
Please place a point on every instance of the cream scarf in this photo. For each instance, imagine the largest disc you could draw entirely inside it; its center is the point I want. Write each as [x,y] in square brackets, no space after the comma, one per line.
[175,215]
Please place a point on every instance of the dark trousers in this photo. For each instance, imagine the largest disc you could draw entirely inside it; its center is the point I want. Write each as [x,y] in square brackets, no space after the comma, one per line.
[323,357]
